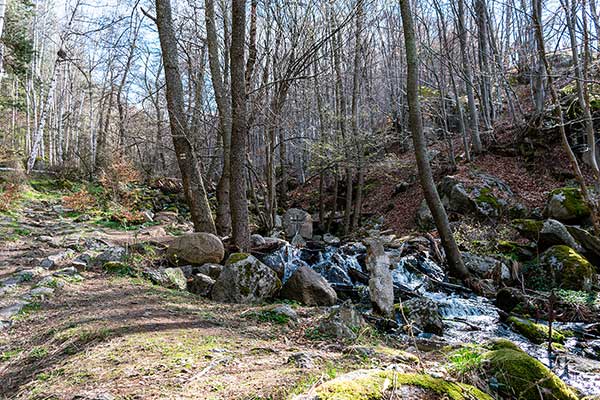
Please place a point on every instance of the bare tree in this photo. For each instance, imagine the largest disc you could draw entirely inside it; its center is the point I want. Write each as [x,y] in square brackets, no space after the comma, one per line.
[193,183]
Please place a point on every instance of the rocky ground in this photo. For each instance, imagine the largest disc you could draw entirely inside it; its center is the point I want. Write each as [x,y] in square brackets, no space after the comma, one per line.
[151,312]
[71,330]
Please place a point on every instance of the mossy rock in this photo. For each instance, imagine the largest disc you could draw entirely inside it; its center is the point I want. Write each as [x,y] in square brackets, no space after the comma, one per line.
[487,203]
[530,228]
[515,250]
[567,204]
[521,376]
[376,385]
[537,333]
[570,269]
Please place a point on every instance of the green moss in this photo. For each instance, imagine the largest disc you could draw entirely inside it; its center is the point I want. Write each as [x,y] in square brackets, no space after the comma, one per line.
[537,333]
[503,344]
[486,197]
[514,250]
[373,386]
[528,227]
[117,267]
[573,270]
[523,377]
[572,200]
[237,257]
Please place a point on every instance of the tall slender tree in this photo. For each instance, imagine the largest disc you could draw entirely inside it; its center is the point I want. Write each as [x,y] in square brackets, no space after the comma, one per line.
[193,183]
[457,267]
[237,199]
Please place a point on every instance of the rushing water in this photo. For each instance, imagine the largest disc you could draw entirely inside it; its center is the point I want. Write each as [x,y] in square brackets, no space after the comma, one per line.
[467,318]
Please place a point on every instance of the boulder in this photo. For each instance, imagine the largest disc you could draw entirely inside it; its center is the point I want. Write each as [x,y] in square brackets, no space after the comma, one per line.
[245,280]
[546,233]
[590,243]
[196,248]
[200,284]
[423,314]
[424,218]
[567,205]
[381,285]
[342,322]
[308,287]
[569,269]
[175,278]
[328,238]
[515,373]
[481,194]
[535,332]
[387,384]
[298,222]
[486,266]
[257,240]
[212,270]
[116,253]
[508,298]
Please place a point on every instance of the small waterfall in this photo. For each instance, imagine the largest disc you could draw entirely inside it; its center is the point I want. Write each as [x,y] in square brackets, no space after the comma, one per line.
[467,319]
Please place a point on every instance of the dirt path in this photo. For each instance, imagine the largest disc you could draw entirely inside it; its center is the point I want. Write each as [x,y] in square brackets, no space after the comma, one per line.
[90,335]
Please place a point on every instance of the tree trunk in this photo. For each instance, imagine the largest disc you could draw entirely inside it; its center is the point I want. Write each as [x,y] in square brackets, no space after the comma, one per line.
[190,173]
[237,199]
[468,74]
[537,23]
[223,220]
[432,197]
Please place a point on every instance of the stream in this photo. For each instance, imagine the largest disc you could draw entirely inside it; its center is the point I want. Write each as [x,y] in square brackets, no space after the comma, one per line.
[467,318]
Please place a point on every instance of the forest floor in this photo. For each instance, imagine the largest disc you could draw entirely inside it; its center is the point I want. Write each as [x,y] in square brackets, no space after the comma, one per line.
[104,336]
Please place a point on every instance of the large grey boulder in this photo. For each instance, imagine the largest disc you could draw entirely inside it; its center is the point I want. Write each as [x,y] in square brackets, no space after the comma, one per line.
[424,217]
[298,222]
[381,285]
[196,248]
[569,269]
[546,233]
[485,265]
[481,195]
[566,205]
[245,280]
[308,287]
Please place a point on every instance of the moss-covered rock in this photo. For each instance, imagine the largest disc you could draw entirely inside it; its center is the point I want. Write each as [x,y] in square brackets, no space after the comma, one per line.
[569,269]
[245,279]
[530,228]
[512,373]
[567,204]
[376,385]
[521,376]
[537,333]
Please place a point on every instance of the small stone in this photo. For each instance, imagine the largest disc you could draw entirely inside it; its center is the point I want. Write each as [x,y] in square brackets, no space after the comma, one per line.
[257,240]
[302,360]
[69,271]
[212,270]
[201,285]
[328,238]
[112,254]
[285,310]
